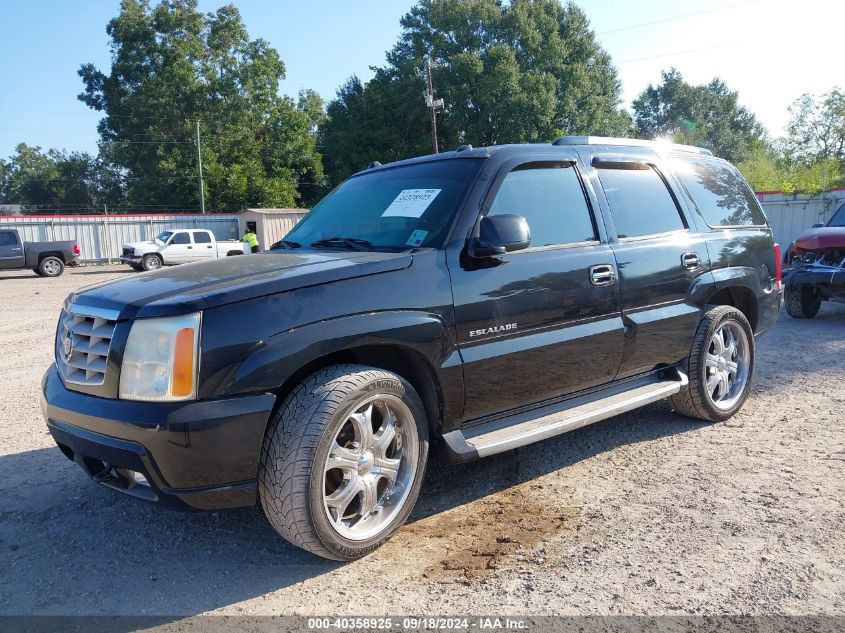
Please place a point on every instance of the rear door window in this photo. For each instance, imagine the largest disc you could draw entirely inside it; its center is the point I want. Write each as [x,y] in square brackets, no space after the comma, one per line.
[720,193]
[551,199]
[640,201]
[201,237]
[7,238]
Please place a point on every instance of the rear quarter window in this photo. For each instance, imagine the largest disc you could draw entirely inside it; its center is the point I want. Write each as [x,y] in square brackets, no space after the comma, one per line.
[718,191]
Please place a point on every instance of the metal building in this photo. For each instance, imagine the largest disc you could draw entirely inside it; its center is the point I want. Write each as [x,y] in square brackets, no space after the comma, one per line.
[270,225]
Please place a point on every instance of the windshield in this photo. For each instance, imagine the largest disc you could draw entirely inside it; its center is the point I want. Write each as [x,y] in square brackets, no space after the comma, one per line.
[838,218]
[390,209]
[164,236]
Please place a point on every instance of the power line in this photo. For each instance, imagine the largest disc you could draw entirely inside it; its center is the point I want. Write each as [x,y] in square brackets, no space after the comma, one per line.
[683,52]
[676,17]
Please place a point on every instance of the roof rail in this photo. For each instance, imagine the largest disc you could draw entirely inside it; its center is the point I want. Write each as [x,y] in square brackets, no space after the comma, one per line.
[630,142]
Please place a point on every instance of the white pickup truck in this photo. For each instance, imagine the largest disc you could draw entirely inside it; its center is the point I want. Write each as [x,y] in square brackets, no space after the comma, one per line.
[179,247]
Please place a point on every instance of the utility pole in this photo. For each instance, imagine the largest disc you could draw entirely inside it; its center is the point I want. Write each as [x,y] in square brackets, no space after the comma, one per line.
[199,170]
[431,103]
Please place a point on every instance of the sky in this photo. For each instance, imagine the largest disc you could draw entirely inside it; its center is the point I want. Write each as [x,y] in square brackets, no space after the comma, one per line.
[770,51]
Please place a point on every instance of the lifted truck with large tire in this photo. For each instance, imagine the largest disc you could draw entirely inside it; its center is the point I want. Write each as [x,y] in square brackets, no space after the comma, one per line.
[473,302]
[45,259]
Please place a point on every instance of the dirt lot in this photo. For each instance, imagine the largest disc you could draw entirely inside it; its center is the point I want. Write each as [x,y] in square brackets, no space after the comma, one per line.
[646,513]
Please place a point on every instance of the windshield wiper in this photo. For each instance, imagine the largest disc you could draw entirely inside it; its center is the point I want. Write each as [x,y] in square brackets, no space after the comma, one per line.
[352,243]
[285,244]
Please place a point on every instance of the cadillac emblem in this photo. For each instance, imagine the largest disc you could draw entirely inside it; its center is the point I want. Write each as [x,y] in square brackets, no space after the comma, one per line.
[67,346]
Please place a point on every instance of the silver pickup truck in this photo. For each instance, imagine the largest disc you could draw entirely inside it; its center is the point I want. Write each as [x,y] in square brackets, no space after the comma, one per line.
[47,259]
[180,246]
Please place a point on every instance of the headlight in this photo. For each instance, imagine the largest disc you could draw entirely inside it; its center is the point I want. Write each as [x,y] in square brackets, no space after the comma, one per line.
[160,360]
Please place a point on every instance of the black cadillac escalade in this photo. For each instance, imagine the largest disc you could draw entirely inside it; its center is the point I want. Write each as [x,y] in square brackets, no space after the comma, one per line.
[475,301]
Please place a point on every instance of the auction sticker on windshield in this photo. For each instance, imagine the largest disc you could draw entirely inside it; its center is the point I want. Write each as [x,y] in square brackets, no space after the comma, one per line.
[410,203]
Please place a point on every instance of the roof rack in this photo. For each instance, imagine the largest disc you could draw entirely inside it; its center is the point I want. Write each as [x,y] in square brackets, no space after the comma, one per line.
[630,142]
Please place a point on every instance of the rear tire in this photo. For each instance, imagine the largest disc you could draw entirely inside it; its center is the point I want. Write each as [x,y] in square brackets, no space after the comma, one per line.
[802,301]
[720,366]
[343,460]
[151,261]
[51,266]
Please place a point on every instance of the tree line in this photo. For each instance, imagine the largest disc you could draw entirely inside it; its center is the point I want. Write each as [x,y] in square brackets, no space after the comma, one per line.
[522,71]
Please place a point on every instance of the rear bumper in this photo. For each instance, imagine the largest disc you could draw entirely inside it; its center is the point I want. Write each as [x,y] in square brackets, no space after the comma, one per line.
[199,455]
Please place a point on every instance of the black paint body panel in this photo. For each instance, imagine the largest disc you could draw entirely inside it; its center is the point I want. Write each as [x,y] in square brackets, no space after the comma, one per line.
[493,334]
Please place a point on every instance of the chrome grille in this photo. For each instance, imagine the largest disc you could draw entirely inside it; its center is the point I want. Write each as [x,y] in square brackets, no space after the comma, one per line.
[129,251]
[83,339]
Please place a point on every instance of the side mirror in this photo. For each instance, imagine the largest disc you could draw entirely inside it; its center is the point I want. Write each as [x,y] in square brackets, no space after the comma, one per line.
[500,234]
[818,225]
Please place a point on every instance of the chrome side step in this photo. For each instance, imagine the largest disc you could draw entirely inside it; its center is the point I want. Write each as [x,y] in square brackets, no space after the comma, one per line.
[538,424]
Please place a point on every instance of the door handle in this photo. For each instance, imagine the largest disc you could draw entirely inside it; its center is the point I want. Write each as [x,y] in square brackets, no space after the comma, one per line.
[602,275]
[209,246]
[15,250]
[690,261]
[190,247]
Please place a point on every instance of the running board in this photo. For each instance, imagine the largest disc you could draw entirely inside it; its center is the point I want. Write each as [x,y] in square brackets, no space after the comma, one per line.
[531,426]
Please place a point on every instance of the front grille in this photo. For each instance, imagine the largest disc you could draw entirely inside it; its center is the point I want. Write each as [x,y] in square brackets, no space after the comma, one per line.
[82,346]
[128,251]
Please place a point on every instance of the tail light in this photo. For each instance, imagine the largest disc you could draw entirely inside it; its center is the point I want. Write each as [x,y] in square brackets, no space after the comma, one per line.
[76,250]
[778,268]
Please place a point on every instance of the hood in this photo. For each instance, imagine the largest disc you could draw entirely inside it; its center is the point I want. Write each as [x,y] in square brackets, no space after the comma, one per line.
[821,237]
[204,285]
[137,244]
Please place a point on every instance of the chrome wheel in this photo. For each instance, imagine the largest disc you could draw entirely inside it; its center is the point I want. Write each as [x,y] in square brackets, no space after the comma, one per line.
[152,262]
[727,365]
[52,267]
[370,467]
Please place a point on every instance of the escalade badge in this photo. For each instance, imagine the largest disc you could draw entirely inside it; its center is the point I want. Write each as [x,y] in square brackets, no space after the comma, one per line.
[496,329]
[67,346]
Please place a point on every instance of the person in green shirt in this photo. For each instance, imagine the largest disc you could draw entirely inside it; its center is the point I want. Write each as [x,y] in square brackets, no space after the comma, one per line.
[250,238]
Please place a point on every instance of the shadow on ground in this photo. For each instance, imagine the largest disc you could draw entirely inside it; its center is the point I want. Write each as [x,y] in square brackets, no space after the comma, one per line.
[71,547]
[68,546]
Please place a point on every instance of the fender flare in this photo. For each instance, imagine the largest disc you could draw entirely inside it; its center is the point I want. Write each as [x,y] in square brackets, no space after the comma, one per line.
[273,361]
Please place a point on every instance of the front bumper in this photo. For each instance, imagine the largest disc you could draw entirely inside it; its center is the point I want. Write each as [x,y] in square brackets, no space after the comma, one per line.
[829,281]
[200,455]
[130,259]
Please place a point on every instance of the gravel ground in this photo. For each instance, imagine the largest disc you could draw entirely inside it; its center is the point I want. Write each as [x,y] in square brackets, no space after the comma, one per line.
[647,513]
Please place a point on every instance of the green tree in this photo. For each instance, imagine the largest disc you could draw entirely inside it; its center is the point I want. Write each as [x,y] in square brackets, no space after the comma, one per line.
[708,115]
[816,128]
[173,66]
[527,70]
[58,179]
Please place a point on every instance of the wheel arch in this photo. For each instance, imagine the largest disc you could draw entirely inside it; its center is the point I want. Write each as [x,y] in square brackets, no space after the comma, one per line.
[740,297]
[741,287]
[403,361]
[45,255]
[415,345]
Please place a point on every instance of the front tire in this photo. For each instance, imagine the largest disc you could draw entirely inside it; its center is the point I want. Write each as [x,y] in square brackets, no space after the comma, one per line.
[802,301]
[720,366]
[343,460]
[51,266]
[151,261]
